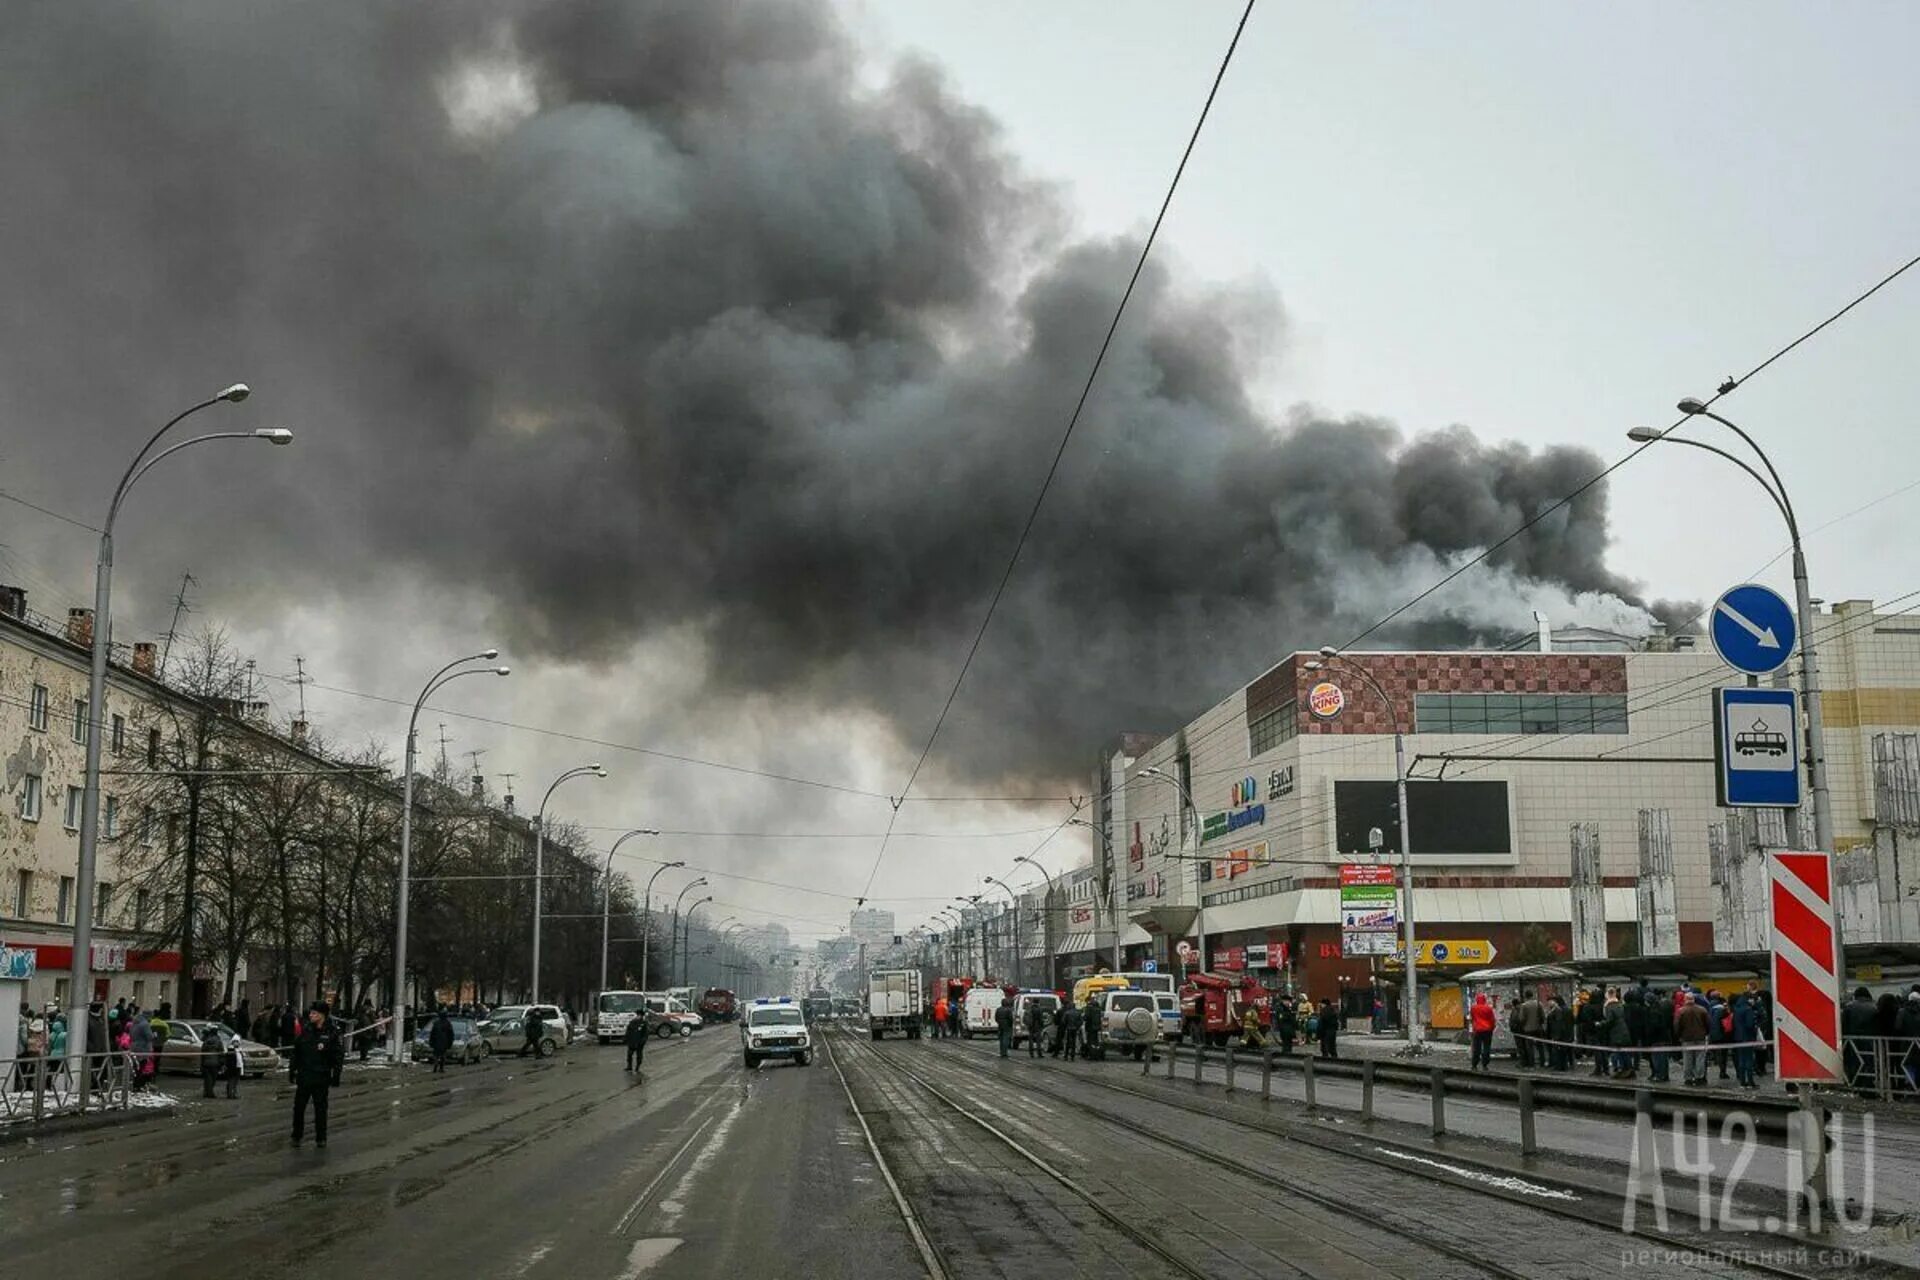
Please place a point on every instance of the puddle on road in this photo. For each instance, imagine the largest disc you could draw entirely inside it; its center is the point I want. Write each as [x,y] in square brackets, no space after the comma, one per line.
[646,1254]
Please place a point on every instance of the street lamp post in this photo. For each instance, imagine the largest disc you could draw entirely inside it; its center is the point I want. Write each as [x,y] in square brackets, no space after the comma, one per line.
[396,1032]
[539,862]
[1113,888]
[646,930]
[1803,607]
[606,896]
[1013,950]
[80,987]
[1199,900]
[686,948]
[1046,920]
[1328,654]
[673,929]
[979,926]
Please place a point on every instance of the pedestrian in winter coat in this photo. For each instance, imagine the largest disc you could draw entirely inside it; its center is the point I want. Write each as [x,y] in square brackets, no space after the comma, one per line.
[1618,1034]
[1329,1029]
[1746,1029]
[1908,1029]
[1036,1026]
[1480,1023]
[1070,1031]
[1090,1019]
[1859,1023]
[1656,1015]
[1692,1029]
[314,1068]
[1003,1025]
[440,1040]
[1560,1031]
[1528,1023]
[1286,1024]
[212,1057]
[243,1018]
[533,1026]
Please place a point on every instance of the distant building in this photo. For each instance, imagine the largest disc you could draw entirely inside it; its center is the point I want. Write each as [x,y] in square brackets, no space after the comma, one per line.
[871,926]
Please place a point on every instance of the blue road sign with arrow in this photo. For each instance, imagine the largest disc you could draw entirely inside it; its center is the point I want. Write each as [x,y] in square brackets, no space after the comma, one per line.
[1756,742]
[1752,629]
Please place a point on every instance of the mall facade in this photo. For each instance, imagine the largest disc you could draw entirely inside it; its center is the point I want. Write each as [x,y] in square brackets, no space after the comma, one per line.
[1564,804]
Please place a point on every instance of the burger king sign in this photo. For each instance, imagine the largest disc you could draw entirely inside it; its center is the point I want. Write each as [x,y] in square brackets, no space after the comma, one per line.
[1326,700]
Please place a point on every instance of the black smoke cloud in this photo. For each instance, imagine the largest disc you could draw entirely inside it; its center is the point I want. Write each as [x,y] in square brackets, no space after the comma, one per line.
[635,316]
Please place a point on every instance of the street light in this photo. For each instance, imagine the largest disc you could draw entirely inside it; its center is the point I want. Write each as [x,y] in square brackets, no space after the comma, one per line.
[673,936]
[1200,904]
[685,951]
[646,930]
[1014,950]
[606,895]
[81,985]
[396,1037]
[1046,918]
[539,862]
[1415,1038]
[1113,888]
[1803,604]
[978,926]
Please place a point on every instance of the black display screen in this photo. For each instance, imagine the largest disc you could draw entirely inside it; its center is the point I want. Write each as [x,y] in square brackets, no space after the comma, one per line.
[1448,817]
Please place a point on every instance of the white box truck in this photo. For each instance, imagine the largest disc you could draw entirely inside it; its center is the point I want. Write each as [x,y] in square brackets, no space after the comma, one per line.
[894,1001]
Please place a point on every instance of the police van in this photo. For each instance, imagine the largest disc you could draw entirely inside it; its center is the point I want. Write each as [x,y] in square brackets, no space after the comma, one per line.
[774,1028]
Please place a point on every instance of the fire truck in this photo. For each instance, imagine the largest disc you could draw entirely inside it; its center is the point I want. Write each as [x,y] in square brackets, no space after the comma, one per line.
[1212,1005]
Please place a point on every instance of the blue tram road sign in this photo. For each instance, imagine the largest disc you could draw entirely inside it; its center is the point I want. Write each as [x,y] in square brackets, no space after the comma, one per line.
[1756,746]
[1753,629]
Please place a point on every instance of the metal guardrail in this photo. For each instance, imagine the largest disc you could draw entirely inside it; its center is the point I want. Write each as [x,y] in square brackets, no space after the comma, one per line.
[35,1088]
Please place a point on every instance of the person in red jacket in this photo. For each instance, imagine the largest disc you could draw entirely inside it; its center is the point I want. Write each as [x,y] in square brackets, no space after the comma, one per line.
[1482,1027]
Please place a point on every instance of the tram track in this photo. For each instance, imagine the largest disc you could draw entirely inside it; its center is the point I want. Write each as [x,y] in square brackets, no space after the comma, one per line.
[1396,1157]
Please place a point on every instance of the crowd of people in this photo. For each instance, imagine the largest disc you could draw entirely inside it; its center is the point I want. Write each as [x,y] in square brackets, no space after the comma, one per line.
[1073,1029]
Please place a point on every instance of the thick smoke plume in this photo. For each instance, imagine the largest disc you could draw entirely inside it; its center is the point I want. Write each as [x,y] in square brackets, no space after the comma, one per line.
[641,316]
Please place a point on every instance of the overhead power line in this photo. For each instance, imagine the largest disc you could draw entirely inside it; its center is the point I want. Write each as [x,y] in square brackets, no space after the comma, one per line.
[1073,420]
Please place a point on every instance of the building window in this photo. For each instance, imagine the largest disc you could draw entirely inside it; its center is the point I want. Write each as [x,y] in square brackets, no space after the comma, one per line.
[153,748]
[22,895]
[79,719]
[1275,727]
[60,987]
[74,795]
[30,798]
[1520,713]
[139,993]
[145,836]
[119,734]
[37,709]
[142,905]
[102,902]
[111,822]
[63,907]
[166,990]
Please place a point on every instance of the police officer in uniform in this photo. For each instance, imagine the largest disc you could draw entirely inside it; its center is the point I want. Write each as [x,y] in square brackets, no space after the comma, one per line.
[318,1054]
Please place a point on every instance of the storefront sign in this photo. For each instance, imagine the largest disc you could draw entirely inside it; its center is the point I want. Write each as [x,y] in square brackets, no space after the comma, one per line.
[1280,783]
[1137,851]
[1215,825]
[1445,951]
[16,966]
[1326,700]
[1077,916]
[109,957]
[1369,910]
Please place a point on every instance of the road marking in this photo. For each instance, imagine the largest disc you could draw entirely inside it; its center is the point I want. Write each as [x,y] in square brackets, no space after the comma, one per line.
[928,1257]
[645,1195]
[1520,1185]
[674,1205]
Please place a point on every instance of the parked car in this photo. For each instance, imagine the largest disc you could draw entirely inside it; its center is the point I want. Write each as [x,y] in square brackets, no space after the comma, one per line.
[506,1032]
[470,1044]
[552,1021]
[1129,1023]
[182,1050]
[670,1017]
[1049,1005]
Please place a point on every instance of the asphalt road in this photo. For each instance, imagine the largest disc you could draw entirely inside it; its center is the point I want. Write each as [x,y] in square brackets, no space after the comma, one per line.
[567,1167]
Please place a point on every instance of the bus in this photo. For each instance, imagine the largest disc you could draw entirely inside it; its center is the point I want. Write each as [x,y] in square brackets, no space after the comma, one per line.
[613,1011]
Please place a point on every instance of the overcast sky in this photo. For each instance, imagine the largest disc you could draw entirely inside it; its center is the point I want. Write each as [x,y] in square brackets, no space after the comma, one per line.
[1544,224]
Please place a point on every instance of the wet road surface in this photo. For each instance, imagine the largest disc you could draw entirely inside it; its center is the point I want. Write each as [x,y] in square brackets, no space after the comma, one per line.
[567,1167]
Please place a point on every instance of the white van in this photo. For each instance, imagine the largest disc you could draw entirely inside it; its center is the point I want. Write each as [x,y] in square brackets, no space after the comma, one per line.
[977,1013]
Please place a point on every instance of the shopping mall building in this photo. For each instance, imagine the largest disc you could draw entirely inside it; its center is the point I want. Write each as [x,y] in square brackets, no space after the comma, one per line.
[1564,804]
